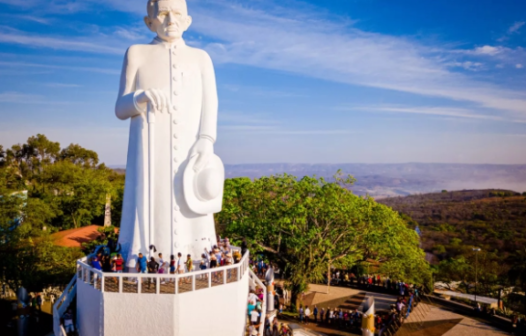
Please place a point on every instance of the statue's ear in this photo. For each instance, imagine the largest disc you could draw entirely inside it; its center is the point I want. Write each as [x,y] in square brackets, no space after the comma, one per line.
[149,23]
[188,22]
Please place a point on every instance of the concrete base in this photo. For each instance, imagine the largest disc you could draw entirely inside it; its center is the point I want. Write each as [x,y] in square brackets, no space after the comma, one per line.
[218,311]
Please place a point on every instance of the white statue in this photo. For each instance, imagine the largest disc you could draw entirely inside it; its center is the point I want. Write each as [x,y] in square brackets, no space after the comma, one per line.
[168,90]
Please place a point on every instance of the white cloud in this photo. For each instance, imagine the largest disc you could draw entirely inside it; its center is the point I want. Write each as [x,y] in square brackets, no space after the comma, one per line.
[516,26]
[519,66]
[488,50]
[334,52]
[309,44]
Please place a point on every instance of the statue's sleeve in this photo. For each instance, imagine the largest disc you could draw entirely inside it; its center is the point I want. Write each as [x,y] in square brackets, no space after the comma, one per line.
[210,103]
[126,106]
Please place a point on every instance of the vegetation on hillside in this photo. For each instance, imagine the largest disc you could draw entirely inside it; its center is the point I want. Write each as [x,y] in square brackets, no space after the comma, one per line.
[454,223]
[44,189]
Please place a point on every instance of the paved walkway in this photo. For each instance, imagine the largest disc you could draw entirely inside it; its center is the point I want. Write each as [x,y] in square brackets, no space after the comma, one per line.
[426,320]
[440,322]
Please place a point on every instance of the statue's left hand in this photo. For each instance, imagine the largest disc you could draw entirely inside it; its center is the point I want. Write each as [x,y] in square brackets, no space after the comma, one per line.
[204,147]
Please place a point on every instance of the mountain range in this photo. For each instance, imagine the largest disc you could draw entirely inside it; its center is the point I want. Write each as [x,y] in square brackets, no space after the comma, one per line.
[385,180]
[400,179]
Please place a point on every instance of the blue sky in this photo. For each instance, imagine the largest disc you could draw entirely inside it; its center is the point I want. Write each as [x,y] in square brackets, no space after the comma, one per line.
[299,81]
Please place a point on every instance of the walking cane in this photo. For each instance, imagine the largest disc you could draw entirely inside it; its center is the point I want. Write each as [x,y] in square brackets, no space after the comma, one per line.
[151,166]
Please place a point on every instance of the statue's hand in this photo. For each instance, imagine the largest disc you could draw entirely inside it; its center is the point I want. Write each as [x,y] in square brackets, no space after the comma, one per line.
[155,97]
[204,147]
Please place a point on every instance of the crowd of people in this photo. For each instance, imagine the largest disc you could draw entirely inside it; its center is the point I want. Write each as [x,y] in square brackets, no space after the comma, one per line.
[351,320]
[254,318]
[219,255]
[344,278]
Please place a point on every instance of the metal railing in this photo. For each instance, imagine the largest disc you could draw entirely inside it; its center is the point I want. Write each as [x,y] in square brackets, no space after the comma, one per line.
[147,283]
[62,304]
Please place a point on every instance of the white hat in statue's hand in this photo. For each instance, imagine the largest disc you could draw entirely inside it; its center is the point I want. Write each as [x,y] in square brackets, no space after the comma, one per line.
[203,190]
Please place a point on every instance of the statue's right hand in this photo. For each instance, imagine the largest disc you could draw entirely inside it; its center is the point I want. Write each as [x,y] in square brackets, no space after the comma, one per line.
[155,97]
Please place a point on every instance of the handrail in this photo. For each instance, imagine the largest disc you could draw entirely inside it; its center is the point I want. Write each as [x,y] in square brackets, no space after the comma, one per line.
[62,304]
[255,279]
[222,275]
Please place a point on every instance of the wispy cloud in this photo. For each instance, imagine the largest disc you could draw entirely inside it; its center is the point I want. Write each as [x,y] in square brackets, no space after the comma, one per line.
[24,98]
[431,110]
[275,130]
[59,43]
[131,34]
[62,85]
[259,91]
[335,52]
[516,27]
[49,6]
[304,43]
[59,67]
[512,30]
[37,19]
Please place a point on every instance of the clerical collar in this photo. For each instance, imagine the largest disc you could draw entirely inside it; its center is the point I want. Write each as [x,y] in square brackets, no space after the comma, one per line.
[169,45]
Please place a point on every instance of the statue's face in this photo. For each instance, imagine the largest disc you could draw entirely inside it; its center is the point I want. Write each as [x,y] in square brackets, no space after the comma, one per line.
[169,19]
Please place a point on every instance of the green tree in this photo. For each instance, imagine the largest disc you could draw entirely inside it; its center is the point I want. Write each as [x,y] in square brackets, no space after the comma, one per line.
[79,192]
[79,156]
[308,224]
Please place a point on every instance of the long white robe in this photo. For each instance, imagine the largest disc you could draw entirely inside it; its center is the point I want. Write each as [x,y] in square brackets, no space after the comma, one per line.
[186,76]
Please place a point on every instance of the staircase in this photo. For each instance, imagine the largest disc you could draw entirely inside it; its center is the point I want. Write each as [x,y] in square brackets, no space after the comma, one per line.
[62,305]
[254,281]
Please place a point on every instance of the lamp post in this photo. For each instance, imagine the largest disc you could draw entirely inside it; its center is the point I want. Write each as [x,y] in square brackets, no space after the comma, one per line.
[476,250]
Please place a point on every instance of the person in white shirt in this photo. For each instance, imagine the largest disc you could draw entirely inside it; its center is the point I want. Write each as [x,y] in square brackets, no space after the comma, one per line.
[307,314]
[254,317]
[179,266]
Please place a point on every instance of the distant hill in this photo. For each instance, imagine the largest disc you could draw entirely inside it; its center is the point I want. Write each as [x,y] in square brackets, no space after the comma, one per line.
[489,219]
[384,180]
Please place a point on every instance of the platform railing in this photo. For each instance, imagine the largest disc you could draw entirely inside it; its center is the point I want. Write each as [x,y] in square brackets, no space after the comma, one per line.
[254,282]
[148,283]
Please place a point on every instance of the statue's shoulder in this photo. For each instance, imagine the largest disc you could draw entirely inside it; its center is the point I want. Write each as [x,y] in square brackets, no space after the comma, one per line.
[198,54]
[139,49]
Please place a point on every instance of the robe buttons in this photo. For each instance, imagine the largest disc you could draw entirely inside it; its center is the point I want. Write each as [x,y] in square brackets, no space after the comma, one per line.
[174,66]
[175,93]
[174,78]
[175,122]
[176,208]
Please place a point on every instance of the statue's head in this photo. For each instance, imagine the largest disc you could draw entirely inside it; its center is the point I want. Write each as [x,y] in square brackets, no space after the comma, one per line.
[169,19]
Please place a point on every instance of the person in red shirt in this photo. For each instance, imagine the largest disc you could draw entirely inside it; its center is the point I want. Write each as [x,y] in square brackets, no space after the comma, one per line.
[118,262]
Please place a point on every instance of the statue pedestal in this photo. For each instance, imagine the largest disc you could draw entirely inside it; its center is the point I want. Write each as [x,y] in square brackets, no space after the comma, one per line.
[204,303]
